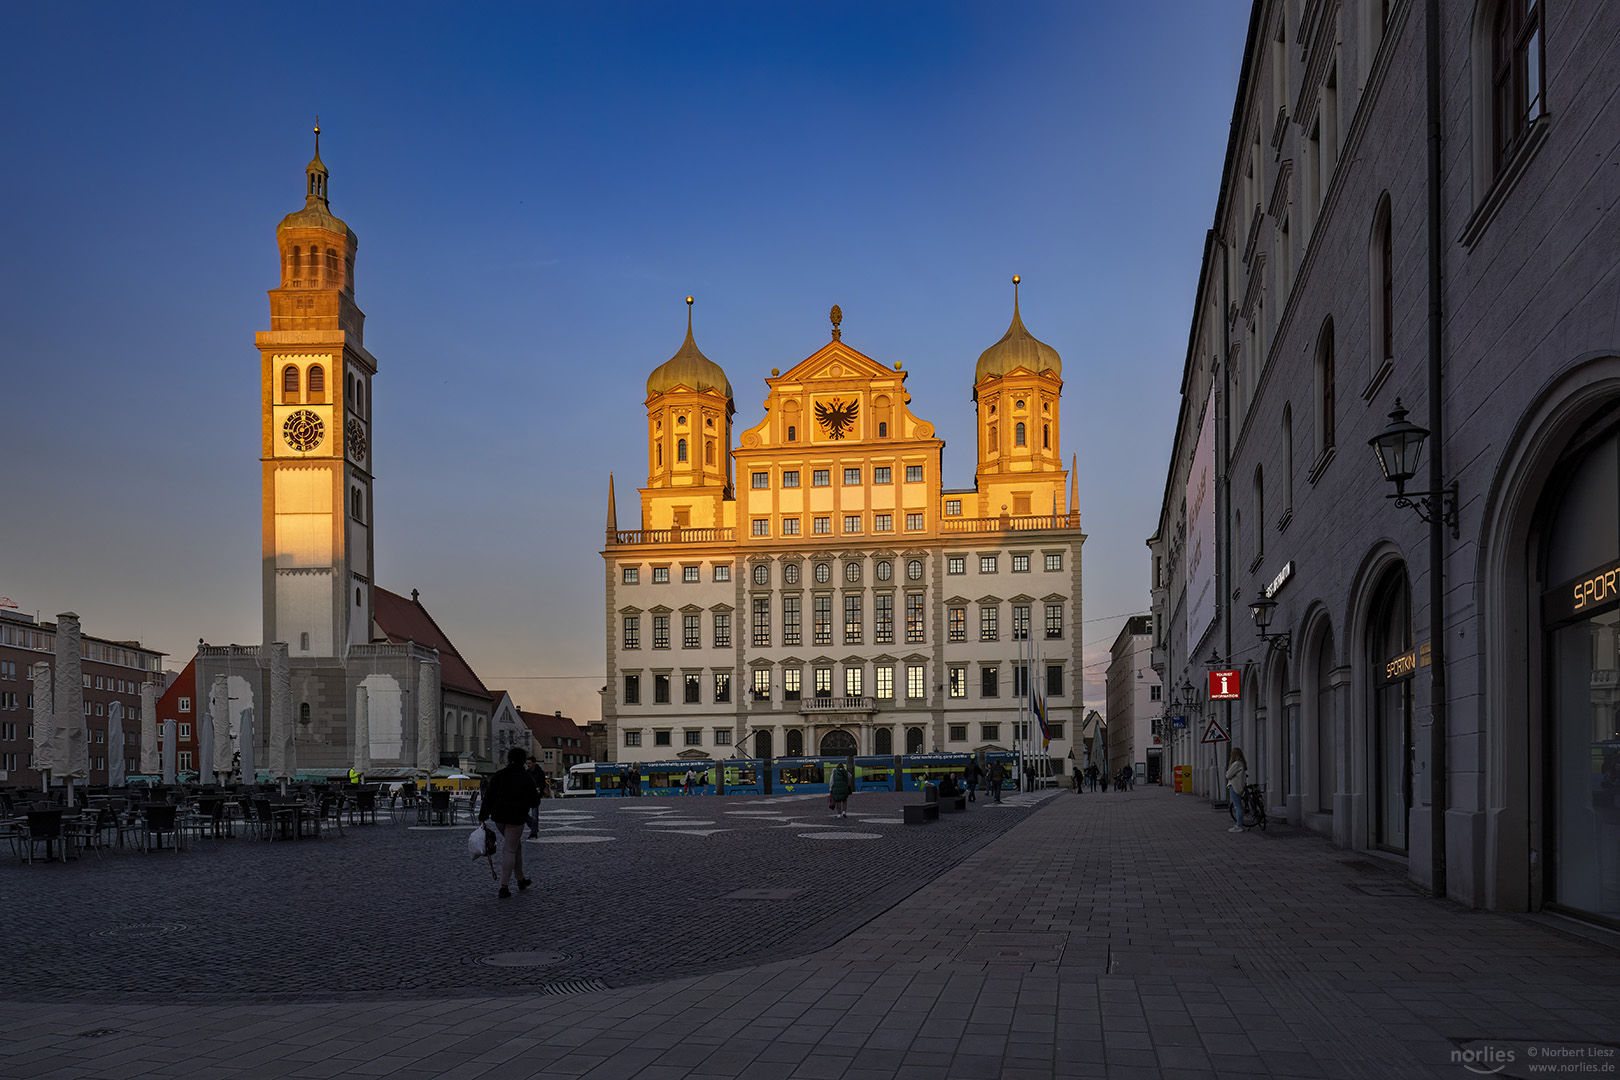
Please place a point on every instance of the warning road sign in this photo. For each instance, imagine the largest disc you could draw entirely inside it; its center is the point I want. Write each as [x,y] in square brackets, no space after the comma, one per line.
[1214,733]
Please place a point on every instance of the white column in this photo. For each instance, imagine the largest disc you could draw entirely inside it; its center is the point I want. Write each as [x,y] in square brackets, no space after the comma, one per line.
[71,755]
[151,755]
[362,731]
[279,755]
[44,724]
[427,716]
[219,708]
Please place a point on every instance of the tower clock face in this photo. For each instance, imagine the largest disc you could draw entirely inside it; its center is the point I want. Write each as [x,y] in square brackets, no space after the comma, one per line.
[303,430]
[356,435]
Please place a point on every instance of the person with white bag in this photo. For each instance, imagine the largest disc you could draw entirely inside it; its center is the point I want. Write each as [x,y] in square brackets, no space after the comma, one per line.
[510,797]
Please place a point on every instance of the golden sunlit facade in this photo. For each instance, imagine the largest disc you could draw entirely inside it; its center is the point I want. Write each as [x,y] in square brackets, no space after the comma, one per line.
[817,588]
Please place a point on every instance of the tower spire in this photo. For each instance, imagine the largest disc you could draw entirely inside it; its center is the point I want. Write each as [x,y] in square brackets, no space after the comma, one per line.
[1074,484]
[613,513]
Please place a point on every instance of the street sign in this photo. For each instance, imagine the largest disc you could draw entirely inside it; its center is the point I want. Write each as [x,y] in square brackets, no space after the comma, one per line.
[1214,733]
[1178,721]
[1223,686]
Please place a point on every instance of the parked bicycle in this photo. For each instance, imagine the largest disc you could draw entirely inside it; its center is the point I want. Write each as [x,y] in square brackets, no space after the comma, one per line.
[1253,801]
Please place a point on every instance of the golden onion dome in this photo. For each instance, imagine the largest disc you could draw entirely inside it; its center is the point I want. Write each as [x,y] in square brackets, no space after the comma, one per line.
[1018,348]
[688,368]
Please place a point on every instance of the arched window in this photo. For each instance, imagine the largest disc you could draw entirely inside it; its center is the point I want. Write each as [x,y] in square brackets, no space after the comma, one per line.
[289,385]
[680,449]
[708,451]
[1381,281]
[297,263]
[793,434]
[363,406]
[795,743]
[303,641]
[994,442]
[1517,81]
[1046,436]
[350,384]
[914,740]
[317,383]
[883,429]
[1018,434]
[1325,377]
[660,455]
[1259,511]
[303,713]
[883,741]
[1288,460]
[331,264]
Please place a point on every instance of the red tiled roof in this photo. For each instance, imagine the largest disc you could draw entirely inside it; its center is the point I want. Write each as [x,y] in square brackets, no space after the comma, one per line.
[403,620]
[547,729]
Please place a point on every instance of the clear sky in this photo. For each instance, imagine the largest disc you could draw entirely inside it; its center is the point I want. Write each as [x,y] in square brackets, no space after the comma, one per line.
[536,189]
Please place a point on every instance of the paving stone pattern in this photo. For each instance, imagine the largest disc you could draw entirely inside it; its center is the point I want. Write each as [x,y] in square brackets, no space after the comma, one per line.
[403,909]
[1120,935]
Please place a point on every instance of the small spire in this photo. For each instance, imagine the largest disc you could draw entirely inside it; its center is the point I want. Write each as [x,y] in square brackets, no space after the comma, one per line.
[1016,279]
[837,317]
[613,512]
[317,134]
[1074,484]
[688,316]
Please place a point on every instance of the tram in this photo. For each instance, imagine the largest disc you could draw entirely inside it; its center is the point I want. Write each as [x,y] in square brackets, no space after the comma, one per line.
[779,776]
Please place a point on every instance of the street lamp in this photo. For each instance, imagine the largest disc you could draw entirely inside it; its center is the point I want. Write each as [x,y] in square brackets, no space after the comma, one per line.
[1398,448]
[1263,607]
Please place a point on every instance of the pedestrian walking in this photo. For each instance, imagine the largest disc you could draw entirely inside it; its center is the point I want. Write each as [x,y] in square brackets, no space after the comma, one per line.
[998,773]
[1091,775]
[511,796]
[538,775]
[840,791]
[1079,780]
[973,775]
[1237,778]
[691,780]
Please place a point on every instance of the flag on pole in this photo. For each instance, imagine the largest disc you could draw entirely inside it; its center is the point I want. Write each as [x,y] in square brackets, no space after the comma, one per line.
[1040,716]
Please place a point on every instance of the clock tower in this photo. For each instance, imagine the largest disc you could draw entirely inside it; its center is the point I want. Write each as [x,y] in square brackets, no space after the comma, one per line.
[315,407]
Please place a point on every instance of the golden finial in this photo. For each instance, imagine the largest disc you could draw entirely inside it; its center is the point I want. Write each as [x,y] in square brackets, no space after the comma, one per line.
[1015,293]
[688,316]
[317,134]
[837,317]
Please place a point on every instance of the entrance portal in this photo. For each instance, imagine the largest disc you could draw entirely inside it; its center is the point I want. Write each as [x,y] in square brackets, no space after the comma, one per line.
[1393,665]
[839,743]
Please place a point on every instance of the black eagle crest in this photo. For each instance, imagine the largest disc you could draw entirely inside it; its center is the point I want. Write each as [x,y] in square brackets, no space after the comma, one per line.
[837,417]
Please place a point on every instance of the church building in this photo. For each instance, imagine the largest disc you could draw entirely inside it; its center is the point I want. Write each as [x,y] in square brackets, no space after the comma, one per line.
[816,589]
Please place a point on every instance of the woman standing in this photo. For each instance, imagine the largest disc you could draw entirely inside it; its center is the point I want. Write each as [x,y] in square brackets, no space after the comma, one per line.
[840,791]
[1237,778]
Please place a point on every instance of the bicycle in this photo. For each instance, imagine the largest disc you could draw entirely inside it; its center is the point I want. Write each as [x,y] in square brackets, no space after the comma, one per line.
[1253,802]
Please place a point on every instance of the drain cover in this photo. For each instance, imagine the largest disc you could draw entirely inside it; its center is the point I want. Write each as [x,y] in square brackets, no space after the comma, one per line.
[141,930]
[524,959]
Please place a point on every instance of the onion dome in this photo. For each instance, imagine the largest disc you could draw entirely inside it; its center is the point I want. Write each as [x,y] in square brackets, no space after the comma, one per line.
[1018,348]
[688,368]
[316,214]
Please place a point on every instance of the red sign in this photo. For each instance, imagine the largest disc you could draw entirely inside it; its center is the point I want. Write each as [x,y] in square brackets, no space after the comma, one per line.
[1223,686]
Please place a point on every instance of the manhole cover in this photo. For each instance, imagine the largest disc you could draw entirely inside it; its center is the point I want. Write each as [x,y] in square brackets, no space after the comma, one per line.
[765,894]
[1002,947]
[141,930]
[524,959]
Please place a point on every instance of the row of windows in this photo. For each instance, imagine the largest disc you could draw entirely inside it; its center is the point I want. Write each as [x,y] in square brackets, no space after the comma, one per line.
[883,686]
[821,620]
[691,631]
[954,564]
[881,474]
[853,523]
[854,624]
[631,575]
[794,737]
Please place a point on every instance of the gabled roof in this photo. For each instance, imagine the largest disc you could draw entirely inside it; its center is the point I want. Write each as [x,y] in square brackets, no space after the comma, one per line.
[547,728]
[402,620]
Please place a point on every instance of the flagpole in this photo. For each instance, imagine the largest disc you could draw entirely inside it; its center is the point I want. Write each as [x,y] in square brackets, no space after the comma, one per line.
[1018,743]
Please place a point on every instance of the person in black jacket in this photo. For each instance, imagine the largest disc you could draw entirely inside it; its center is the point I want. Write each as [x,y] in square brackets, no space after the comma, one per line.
[510,797]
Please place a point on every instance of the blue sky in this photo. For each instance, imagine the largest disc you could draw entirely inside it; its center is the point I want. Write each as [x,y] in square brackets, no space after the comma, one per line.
[536,189]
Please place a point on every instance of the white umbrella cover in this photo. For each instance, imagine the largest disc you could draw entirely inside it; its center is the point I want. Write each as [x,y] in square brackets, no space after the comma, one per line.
[219,707]
[151,752]
[115,744]
[72,756]
[44,720]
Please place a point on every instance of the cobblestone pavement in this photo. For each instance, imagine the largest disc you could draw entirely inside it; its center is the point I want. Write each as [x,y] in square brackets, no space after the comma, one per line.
[628,891]
[1120,935]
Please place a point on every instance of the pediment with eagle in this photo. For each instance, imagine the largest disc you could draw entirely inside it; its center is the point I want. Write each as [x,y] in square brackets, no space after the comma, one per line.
[837,416]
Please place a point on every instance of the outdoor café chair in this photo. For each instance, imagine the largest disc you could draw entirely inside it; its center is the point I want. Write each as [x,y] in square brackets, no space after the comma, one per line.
[442,807]
[44,827]
[158,821]
[365,804]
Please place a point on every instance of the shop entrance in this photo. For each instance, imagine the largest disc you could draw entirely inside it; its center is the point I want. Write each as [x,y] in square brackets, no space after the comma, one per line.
[1393,664]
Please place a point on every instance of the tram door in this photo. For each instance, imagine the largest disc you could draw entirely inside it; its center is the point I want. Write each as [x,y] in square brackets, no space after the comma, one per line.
[1394,665]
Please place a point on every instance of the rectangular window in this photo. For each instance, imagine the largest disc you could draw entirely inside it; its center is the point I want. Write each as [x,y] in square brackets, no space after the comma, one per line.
[913,474]
[690,574]
[914,522]
[661,689]
[956,624]
[691,631]
[694,689]
[722,736]
[852,476]
[989,732]
[822,525]
[722,629]
[661,738]
[823,682]
[632,631]
[884,681]
[987,564]
[660,575]
[953,507]
[98,683]
[790,478]
[632,689]
[914,618]
[1054,680]
[1155,692]
[956,564]
[989,682]
[1054,621]
[632,738]
[882,475]
[792,630]
[821,620]
[660,631]
[790,683]
[882,522]
[989,623]
[854,622]
[1020,622]
[853,679]
[184,731]
[762,527]
[820,477]
[762,480]
[914,682]
[1055,562]
[883,629]
[184,760]
[1020,564]
[852,523]
[762,620]
[722,572]
[762,684]
[958,733]
[185,704]
[790,526]
[722,686]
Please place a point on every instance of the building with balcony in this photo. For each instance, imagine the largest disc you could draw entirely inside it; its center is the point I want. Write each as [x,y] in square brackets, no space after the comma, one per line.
[817,589]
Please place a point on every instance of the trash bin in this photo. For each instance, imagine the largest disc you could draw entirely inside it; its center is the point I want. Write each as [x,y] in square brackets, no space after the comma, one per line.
[1183,778]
